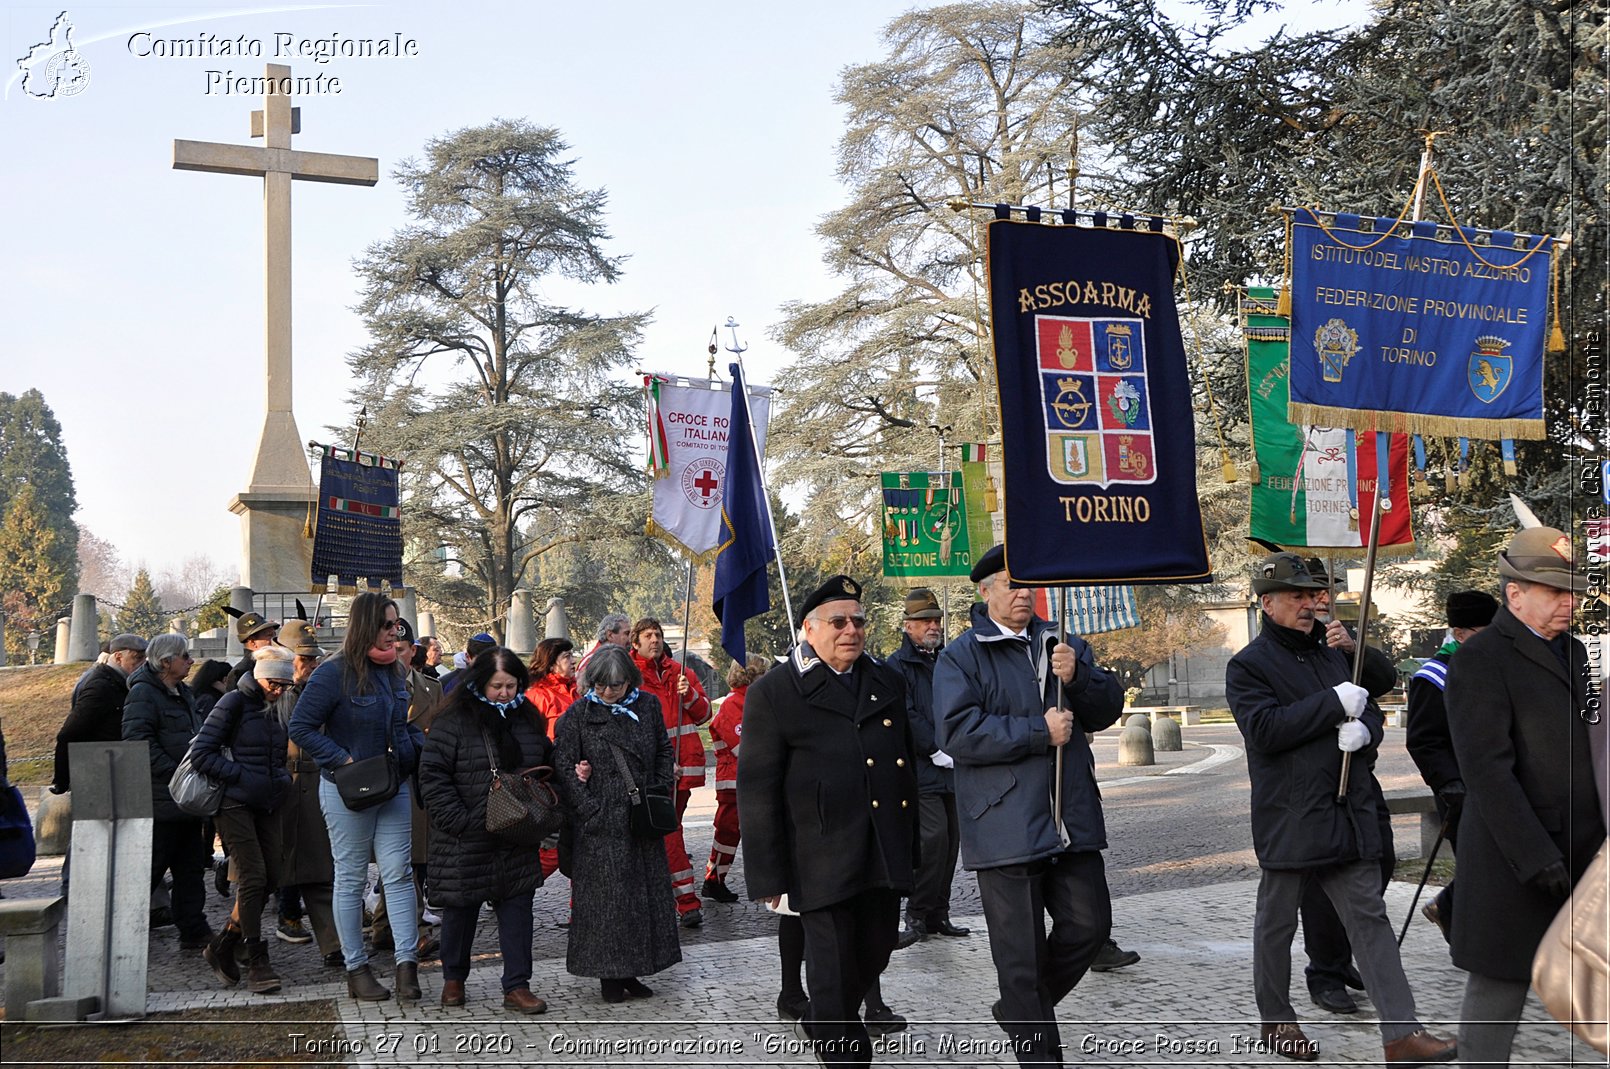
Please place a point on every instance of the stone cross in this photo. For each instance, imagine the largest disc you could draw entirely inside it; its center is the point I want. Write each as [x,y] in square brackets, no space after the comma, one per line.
[275,558]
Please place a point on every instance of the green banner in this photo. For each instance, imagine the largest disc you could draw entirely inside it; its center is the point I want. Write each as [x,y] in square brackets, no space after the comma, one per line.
[925,524]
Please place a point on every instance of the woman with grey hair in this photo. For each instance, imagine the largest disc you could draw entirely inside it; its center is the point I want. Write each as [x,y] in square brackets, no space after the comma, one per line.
[161,712]
[612,740]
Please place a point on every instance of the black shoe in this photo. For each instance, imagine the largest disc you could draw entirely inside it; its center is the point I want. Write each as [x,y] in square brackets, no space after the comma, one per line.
[334,960]
[792,1007]
[716,891]
[995,1012]
[883,1021]
[162,917]
[636,988]
[944,927]
[1112,956]
[913,932]
[1433,913]
[694,918]
[220,877]
[613,990]
[1334,1000]
[1353,979]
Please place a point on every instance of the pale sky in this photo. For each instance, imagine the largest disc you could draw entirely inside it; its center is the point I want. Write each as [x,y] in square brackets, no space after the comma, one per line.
[132,293]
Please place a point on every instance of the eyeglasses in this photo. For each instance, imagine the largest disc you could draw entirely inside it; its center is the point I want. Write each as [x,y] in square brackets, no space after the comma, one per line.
[602,685]
[391,625]
[839,623]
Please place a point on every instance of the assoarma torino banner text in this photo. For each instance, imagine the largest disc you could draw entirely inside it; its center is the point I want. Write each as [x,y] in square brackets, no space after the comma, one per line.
[1098,444]
[688,446]
[360,522]
[1304,496]
[1411,331]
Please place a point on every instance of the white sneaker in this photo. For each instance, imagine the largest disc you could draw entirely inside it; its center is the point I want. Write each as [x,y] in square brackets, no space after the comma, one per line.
[430,918]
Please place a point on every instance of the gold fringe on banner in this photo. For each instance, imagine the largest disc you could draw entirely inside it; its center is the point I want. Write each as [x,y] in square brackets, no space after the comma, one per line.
[1413,422]
[654,530]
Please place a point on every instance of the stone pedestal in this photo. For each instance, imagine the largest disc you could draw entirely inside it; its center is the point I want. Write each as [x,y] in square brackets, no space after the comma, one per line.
[84,641]
[33,961]
[426,625]
[408,609]
[240,597]
[521,634]
[64,641]
[556,622]
[273,554]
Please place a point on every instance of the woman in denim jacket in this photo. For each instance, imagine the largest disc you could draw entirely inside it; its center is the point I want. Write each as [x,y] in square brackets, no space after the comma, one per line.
[355,706]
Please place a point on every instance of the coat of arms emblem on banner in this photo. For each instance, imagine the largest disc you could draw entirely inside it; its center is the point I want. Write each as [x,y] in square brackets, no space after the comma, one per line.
[1490,368]
[1095,400]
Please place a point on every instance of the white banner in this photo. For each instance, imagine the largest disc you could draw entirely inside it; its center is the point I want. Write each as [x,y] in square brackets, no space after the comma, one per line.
[688,422]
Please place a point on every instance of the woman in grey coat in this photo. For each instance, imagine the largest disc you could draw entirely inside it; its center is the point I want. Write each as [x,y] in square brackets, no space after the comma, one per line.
[623,920]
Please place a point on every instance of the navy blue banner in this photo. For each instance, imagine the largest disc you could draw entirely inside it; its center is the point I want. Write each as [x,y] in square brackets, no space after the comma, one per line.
[360,522]
[1415,332]
[1098,440]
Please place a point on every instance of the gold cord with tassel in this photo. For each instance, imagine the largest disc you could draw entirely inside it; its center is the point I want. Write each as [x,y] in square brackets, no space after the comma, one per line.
[1556,345]
[1283,299]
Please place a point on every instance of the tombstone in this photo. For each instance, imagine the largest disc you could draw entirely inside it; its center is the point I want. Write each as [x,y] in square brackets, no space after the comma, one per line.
[1166,735]
[109,897]
[521,634]
[64,641]
[556,622]
[240,597]
[1134,746]
[426,625]
[84,639]
[273,507]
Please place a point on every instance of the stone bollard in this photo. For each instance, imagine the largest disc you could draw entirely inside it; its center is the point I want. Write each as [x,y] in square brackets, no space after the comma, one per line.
[427,624]
[240,597]
[84,639]
[1135,746]
[556,622]
[521,633]
[64,641]
[1138,720]
[2,640]
[1166,735]
[53,824]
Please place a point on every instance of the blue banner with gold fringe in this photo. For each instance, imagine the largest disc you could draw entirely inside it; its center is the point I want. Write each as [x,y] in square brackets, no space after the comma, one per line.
[1098,441]
[1417,328]
[360,521]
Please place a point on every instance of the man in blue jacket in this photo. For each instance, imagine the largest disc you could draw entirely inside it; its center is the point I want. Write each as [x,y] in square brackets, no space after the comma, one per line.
[1007,696]
[1298,710]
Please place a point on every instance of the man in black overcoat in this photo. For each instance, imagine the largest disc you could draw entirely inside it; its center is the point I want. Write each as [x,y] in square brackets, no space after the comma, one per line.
[827,803]
[1524,723]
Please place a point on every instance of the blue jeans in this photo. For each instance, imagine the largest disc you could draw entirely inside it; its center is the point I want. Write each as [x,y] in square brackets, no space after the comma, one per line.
[386,831]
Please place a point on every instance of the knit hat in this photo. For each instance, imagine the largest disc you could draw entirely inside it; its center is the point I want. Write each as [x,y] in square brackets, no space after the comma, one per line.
[273,662]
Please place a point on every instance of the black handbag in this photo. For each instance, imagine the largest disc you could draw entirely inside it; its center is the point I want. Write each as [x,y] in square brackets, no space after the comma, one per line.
[17,847]
[653,813]
[521,806]
[367,783]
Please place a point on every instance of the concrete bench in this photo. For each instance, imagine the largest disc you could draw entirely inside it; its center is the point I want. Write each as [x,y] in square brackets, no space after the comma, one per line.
[1185,715]
[33,960]
[1419,800]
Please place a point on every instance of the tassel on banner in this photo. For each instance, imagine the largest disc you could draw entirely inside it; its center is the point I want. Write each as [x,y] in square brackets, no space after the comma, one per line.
[1556,342]
[1255,473]
[1283,300]
[1507,447]
[1230,474]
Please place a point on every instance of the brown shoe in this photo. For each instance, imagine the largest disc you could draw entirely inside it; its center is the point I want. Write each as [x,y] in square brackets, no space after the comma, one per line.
[452,992]
[260,975]
[362,985]
[408,980]
[1419,1047]
[1288,1041]
[521,1000]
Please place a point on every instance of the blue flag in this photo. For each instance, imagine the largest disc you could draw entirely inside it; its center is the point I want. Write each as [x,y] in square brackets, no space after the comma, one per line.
[746,544]
[1409,329]
[1098,440]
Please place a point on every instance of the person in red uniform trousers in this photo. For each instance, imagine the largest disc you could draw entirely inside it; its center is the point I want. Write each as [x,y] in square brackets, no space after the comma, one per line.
[726,732]
[552,691]
[685,708]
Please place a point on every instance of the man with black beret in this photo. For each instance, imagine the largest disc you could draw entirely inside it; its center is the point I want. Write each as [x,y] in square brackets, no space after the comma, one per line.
[1468,612]
[1007,695]
[1298,709]
[1529,734]
[827,806]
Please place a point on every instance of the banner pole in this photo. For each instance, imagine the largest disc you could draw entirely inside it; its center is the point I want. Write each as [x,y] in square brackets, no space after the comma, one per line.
[1062,638]
[760,469]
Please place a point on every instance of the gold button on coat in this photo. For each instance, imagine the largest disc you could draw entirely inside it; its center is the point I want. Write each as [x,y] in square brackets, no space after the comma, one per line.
[874,803]
[888,723]
[869,762]
[900,762]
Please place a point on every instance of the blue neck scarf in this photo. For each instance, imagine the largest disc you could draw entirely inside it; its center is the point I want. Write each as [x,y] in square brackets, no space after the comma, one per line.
[503,708]
[621,708]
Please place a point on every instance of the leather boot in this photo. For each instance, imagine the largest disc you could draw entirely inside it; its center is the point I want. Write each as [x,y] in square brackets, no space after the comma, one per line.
[220,954]
[408,980]
[452,992]
[260,975]
[362,985]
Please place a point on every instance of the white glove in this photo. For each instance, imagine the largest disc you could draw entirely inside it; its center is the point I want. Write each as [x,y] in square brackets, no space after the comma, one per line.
[1353,698]
[1352,736]
[942,759]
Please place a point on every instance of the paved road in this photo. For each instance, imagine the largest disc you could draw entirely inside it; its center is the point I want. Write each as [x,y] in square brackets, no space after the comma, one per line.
[1182,874]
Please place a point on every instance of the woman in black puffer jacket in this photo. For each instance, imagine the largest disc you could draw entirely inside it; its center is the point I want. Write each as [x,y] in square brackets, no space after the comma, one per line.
[468,865]
[255,782]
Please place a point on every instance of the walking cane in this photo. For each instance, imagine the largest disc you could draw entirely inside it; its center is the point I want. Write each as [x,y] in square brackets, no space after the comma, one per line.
[1424,876]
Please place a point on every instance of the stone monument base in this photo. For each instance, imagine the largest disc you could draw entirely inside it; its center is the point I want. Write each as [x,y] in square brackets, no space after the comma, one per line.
[274,555]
